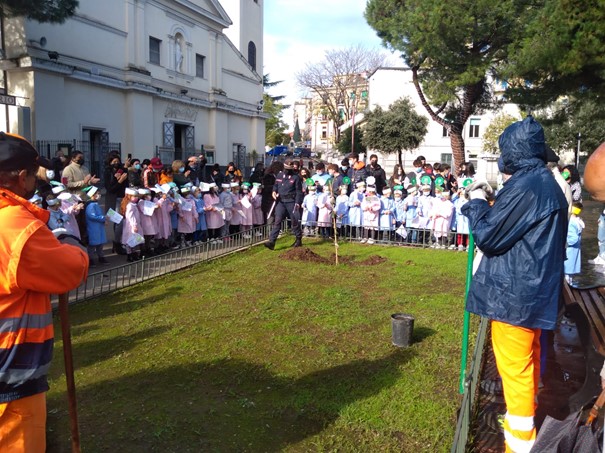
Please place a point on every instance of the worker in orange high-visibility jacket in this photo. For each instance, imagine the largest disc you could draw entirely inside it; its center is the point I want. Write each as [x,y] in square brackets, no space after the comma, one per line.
[518,281]
[33,265]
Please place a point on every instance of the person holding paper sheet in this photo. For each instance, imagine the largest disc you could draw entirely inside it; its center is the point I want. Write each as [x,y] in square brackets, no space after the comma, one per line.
[131,233]
[148,229]
[247,209]
[95,225]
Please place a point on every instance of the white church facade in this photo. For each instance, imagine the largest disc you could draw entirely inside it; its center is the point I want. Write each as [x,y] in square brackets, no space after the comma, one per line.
[157,77]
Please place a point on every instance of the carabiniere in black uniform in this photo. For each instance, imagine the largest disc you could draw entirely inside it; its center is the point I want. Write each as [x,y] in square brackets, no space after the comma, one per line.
[288,195]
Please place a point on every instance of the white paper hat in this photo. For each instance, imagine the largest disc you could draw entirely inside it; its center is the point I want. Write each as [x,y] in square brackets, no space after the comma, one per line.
[371,189]
[130,191]
[386,191]
[35,199]
[370,180]
[58,189]
[360,184]
[225,185]
[312,187]
[185,189]
[144,191]
[53,202]
[235,184]
[93,190]
[204,187]
[66,196]
[211,185]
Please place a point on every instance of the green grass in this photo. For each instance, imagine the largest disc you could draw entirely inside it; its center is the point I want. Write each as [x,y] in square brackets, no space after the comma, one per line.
[255,353]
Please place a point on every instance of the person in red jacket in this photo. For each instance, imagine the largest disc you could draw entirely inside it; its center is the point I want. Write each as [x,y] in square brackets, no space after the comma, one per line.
[27,246]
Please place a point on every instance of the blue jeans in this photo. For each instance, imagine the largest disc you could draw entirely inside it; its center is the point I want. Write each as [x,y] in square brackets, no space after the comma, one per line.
[601,235]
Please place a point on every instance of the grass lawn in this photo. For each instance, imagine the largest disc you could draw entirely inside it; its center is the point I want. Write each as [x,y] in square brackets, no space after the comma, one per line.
[256,353]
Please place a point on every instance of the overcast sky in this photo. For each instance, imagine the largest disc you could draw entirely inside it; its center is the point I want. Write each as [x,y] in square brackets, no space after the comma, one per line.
[297,33]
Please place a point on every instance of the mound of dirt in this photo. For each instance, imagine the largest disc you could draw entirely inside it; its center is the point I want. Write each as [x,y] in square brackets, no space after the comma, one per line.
[304,254]
[307,255]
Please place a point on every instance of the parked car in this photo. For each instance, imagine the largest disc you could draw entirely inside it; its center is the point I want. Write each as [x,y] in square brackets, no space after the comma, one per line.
[278,150]
[302,152]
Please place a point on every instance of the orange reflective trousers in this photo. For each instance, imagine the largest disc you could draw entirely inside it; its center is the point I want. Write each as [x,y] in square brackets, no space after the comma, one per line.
[23,425]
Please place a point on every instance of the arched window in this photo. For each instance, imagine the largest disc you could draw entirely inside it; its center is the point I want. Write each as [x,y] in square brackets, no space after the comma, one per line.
[252,54]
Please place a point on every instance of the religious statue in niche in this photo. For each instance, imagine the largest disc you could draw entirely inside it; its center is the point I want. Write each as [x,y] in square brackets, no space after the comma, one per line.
[178,53]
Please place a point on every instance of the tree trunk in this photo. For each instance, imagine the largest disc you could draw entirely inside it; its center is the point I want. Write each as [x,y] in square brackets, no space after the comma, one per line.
[457,144]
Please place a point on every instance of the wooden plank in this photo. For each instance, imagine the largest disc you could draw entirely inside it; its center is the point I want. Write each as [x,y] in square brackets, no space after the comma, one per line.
[568,296]
[592,313]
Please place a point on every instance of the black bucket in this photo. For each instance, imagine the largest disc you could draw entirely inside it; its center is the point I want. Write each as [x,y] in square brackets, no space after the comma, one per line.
[403,326]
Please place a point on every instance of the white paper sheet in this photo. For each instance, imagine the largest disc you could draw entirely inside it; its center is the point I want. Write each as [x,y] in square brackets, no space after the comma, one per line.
[113,216]
[135,240]
[246,202]
[148,207]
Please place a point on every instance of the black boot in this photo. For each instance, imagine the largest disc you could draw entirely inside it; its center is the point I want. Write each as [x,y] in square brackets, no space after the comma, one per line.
[129,258]
[270,245]
[297,243]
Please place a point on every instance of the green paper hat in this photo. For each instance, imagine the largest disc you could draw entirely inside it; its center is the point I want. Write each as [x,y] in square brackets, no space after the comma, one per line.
[425,180]
[55,183]
[439,181]
[172,184]
[309,182]
[413,181]
[467,182]
[565,174]
[398,188]
[346,180]
[247,185]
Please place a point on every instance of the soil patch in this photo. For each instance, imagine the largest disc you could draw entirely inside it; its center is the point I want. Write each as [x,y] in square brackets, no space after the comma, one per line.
[307,255]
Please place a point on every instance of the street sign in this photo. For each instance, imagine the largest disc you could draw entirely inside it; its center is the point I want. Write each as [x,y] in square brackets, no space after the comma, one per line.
[8,100]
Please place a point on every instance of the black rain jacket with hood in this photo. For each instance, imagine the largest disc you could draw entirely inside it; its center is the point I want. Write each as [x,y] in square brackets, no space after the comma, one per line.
[522,236]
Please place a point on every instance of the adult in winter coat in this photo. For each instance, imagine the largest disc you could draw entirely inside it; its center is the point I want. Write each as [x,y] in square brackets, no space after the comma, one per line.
[518,281]
[375,170]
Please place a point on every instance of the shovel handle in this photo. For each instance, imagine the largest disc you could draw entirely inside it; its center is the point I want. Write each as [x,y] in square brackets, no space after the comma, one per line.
[69,373]
[594,411]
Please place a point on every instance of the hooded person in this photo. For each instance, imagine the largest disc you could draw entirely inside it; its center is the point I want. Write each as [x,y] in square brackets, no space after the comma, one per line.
[518,281]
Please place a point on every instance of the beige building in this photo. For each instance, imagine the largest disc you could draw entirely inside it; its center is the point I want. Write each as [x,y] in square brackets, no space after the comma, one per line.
[159,77]
[385,86]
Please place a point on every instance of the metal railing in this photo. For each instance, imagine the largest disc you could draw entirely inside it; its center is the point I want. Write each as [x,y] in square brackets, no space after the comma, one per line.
[413,237]
[106,281]
[469,398]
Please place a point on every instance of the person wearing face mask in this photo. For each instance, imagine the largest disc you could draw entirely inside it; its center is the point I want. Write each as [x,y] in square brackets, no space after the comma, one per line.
[116,181]
[232,173]
[152,175]
[135,174]
[413,177]
[288,196]
[26,283]
[357,170]
[58,164]
[375,170]
[320,177]
[76,176]
[340,173]
[180,173]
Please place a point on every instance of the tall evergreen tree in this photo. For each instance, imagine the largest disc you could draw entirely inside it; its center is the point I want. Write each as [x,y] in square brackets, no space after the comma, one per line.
[451,48]
[53,11]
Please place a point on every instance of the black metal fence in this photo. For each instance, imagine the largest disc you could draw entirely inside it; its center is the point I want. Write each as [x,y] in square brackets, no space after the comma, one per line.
[106,281]
[412,237]
[95,153]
